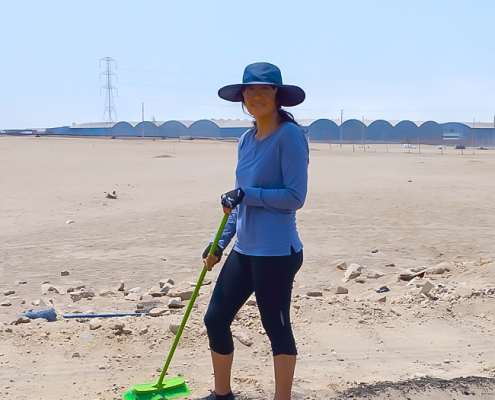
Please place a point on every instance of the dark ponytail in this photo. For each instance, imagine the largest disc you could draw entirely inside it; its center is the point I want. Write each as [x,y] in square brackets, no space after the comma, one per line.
[287,116]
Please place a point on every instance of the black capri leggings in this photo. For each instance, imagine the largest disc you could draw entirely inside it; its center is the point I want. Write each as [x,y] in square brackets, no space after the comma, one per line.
[271,279]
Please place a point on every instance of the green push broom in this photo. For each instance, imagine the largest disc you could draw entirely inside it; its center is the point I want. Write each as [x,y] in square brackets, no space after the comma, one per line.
[174,387]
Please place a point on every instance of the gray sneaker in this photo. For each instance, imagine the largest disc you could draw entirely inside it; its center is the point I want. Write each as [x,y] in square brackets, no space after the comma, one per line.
[213,396]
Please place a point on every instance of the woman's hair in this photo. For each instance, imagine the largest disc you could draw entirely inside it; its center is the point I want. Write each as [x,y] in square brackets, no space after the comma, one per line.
[285,115]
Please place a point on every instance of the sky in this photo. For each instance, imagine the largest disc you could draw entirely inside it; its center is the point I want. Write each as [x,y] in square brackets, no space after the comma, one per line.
[383,59]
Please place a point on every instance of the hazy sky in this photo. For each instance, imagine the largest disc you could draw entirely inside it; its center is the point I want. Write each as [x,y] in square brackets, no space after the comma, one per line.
[381,59]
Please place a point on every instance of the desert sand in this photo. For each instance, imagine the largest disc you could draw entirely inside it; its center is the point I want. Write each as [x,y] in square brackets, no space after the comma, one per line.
[410,220]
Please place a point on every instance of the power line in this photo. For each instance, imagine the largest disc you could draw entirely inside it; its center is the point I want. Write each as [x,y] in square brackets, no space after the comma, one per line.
[174,72]
[164,87]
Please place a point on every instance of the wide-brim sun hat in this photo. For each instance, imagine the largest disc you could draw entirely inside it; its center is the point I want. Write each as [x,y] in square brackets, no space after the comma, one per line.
[262,73]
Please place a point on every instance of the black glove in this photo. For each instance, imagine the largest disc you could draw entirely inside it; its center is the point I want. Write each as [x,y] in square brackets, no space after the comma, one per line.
[233,198]
[218,252]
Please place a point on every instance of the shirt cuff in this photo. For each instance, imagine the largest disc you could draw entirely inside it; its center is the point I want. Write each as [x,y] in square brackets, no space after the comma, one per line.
[252,197]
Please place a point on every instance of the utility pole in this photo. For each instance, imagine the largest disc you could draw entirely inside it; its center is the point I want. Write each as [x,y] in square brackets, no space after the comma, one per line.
[364,146]
[493,134]
[142,119]
[474,132]
[109,113]
[341,122]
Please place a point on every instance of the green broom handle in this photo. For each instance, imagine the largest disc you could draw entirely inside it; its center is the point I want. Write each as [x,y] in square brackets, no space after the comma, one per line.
[191,302]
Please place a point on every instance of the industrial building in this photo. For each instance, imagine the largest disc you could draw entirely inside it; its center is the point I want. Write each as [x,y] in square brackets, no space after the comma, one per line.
[319,130]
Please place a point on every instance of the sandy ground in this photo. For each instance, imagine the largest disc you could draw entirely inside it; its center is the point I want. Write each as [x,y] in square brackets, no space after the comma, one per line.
[415,213]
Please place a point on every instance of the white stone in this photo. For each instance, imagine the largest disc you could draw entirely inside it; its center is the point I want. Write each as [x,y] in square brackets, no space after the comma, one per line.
[175,302]
[133,297]
[185,294]
[353,271]
[427,287]
[157,312]
[121,287]
[251,301]
[174,328]
[244,338]
[165,288]
[46,287]
[94,324]
[135,290]
[464,291]
[163,282]
[340,290]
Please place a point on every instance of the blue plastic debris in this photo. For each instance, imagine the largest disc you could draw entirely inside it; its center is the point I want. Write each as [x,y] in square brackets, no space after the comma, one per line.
[50,315]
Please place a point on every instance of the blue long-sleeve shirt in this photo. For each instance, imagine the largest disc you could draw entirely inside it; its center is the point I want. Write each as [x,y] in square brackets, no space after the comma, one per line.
[273,172]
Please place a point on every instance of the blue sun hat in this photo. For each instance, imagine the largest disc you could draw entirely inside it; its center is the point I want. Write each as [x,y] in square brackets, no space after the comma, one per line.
[262,73]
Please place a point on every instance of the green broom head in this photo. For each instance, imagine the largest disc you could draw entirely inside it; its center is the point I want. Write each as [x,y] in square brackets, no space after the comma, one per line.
[169,389]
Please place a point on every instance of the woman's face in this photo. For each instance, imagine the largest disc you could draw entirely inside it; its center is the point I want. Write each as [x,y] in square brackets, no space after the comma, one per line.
[260,100]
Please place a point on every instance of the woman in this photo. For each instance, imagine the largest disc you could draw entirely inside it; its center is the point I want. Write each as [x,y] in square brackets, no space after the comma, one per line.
[271,184]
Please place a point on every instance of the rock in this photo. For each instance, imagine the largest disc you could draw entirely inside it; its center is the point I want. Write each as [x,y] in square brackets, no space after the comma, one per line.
[427,287]
[439,269]
[406,275]
[147,306]
[157,312]
[107,293]
[6,304]
[390,265]
[183,294]
[464,291]
[174,328]
[382,299]
[314,294]
[121,287]
[251,301]
[353,271]
[373,274]
[340,290]
[360,280]
[175,302]
[94,324]
[383,289]
[76,355]
[117,326]
[22,320]
[47,287]
[70,221]
[244,338]
[133,297]
[135,290]
[64,273]
[8,292]
[342,266]
[165,288]
[77,296]
[163,282]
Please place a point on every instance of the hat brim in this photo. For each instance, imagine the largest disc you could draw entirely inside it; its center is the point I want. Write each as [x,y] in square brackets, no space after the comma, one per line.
[289,95]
